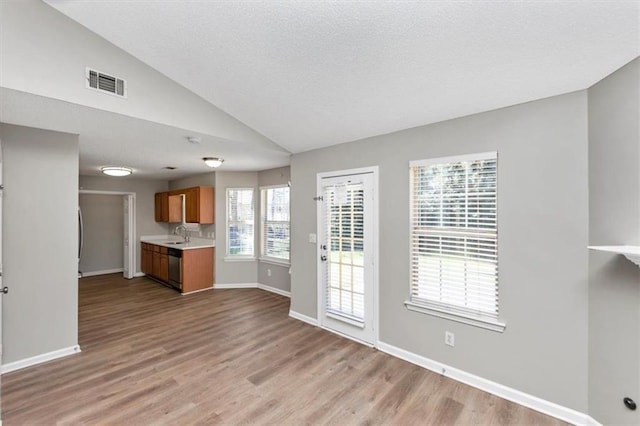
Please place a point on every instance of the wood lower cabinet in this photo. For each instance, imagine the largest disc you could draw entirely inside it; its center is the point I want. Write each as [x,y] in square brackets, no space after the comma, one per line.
[197,266]
[146,257]
[197,269]
[155,261]
[160,268]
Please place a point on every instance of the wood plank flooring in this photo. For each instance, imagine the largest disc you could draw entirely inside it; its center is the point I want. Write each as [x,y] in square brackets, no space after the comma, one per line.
[152,356]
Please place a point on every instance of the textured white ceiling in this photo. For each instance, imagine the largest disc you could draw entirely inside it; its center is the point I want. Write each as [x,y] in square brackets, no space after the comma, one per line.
[309,74]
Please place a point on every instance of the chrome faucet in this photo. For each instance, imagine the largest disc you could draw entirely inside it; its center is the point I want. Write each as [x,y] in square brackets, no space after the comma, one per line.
[185,233]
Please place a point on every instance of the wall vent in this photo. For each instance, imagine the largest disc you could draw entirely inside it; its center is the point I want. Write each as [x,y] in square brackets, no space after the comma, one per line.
[106,83]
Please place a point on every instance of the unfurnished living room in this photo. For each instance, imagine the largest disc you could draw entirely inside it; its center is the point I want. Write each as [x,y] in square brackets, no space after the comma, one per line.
[320,212]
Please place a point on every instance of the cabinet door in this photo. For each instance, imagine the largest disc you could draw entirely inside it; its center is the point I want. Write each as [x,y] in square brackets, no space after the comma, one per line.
[162,207]
[144,259]
[155,267]
[192,205]
[163,272]
[206,204]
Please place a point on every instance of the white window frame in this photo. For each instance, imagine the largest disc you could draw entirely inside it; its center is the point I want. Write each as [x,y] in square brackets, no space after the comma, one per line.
[446,310]
[263,257]
[239,257]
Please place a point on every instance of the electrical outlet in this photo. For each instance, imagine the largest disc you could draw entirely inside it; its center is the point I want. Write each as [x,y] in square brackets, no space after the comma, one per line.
[313,238]
[268,272]
[449,338]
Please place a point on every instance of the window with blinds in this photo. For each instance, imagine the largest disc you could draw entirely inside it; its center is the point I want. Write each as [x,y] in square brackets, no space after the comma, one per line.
[275,223]
[240,222]
[344,267]
[454,238]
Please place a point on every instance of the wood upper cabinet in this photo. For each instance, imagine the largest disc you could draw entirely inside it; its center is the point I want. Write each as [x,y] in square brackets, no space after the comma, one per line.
[168,206]
[162,207]
[198,203]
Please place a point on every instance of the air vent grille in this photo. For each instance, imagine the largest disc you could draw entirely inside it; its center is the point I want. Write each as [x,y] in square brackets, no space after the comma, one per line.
[106,83]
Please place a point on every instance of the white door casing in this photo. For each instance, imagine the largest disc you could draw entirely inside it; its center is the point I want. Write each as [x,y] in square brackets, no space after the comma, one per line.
[347,253]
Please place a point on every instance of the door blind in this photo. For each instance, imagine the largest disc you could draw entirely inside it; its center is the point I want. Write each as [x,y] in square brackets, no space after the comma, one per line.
[454,235]
[344,268]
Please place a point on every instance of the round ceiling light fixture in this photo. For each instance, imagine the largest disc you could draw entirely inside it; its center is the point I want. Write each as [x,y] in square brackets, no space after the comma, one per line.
[116,171]
[213,162]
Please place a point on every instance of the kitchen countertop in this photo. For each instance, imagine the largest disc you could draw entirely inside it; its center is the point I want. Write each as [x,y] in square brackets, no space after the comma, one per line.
[165,240]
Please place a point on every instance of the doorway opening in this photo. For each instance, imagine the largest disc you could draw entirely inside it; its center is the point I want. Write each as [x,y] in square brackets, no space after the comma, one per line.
[107,235]
[348,253]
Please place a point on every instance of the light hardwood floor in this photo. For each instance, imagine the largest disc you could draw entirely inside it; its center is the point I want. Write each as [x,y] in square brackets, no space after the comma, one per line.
[150,355]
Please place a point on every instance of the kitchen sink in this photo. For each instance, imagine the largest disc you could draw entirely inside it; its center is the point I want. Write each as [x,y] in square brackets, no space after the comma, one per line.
[174,242]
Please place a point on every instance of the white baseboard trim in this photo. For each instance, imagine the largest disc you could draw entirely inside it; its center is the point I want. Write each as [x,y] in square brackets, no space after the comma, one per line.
[530,401]
[39,359]
[254,285]
[103,272]
[275,290]
[303,318]
[139,274]
[236,285]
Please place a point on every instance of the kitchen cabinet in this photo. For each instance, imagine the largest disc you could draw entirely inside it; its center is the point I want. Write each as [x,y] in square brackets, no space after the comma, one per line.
[197,269]
[198,205]
[197,266]
[146,258]
[168,208]
[162,207]
[160,263]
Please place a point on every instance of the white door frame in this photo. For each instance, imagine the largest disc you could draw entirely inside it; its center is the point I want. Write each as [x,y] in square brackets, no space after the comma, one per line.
[130,254]
[374,170]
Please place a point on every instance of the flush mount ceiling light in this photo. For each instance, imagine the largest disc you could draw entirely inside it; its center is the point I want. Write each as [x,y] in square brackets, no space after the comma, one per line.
[116,171]
[213,161]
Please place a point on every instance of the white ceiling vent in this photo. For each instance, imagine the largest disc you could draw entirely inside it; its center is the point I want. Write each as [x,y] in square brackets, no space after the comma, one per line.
[106,83]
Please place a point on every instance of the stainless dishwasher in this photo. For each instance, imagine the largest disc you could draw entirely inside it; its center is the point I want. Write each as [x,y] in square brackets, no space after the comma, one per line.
[175,268]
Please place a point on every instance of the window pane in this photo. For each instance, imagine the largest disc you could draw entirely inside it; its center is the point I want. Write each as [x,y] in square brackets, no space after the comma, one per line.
[454,235]
[275,222]
[240,222]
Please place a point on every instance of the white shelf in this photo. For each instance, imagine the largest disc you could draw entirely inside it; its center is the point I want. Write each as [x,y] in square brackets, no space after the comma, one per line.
[630,252]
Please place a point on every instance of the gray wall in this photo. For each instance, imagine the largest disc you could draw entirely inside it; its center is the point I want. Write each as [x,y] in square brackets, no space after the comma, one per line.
[103,218]
[280,277]
[233,272]
[145,190]
[543,260]
[40,240]
[614,219]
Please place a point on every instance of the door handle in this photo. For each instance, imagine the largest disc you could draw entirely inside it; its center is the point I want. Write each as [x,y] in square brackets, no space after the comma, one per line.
[5,290]
[323,258]
[323,246]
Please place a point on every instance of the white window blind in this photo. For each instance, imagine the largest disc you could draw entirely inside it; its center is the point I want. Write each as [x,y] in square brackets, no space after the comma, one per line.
[454,237]
[240,222]
[275,222]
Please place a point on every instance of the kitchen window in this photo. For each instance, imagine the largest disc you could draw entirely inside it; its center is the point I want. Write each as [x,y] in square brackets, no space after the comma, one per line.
[454,239]
[240,223]
[275,224]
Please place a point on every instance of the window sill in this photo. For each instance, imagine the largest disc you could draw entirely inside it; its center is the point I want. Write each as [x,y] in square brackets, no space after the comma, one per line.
[485,323]
[275,261]
[239,259]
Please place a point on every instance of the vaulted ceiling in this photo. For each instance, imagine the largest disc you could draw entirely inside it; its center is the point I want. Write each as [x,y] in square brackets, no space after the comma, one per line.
[309,74]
